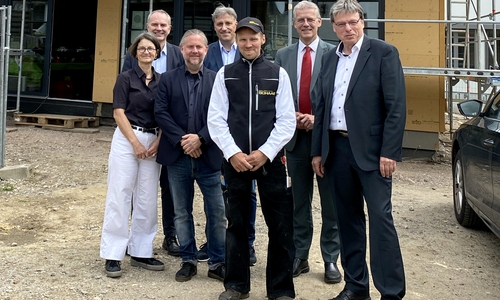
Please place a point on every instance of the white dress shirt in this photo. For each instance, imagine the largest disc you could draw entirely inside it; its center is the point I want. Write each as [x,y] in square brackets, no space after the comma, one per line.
[300,56]
[283,130]
[345,67]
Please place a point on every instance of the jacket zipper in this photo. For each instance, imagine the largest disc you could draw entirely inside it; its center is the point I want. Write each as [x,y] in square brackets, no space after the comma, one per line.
[250,105]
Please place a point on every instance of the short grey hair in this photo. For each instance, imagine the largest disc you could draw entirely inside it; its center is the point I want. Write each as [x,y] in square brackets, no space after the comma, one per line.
[222,10]
[306,4]
[191,32]
[161,11]
[346,7]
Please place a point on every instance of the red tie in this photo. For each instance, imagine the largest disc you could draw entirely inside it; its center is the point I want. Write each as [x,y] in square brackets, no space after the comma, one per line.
[305,83]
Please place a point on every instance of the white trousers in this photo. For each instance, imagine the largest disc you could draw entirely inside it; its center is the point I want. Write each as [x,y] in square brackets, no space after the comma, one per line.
[130,179]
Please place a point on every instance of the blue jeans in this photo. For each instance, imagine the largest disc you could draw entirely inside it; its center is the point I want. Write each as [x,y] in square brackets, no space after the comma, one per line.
[277,207]
[181,176]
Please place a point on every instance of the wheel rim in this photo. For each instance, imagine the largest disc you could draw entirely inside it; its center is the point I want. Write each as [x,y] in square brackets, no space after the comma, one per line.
[458,186]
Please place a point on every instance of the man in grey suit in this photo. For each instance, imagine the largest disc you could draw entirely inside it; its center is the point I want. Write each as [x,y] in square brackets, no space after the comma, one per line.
[357,140]
[307,20]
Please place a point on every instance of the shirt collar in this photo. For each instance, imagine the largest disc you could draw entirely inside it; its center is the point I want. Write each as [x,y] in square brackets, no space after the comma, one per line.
[233,47]
[356,47]
[186,71]
[164,50]
[313,45]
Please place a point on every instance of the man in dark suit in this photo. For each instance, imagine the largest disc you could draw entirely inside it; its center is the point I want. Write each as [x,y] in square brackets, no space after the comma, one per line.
[159,24]
[224,51]
[297,59]
[357,140]
[186,148]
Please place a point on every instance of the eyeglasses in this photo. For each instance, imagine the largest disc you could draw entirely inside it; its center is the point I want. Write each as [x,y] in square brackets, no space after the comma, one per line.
[351,23]
[144,49]
[303,20]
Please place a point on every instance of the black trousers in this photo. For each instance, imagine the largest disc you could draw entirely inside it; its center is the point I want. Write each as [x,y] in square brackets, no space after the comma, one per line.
[277,207]
[353,187]
[167,205]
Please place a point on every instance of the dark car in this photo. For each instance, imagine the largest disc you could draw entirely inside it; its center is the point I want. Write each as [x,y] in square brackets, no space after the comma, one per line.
[476,165]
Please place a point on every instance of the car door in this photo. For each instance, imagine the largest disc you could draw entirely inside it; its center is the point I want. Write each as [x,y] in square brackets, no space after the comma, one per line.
[476,157]
[492,124]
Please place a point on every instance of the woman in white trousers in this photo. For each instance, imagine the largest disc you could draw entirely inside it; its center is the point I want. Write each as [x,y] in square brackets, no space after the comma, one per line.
[133,173]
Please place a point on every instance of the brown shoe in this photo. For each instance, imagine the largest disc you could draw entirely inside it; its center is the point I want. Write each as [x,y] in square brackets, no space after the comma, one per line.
[231,294]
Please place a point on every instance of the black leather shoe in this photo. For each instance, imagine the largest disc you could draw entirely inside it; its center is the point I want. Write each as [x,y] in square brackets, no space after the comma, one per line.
[147,263]
[332,273]
[300,266]
[187,271]
[218,273]
[171,245]
[350,295]
[113,268]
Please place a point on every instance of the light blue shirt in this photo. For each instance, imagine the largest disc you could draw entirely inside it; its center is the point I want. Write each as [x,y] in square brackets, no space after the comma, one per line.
[160,64]
[227,56]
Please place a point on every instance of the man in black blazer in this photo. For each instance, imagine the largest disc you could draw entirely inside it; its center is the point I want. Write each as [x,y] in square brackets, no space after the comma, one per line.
[187,149]
[357,140]
[159,24]
[307,20]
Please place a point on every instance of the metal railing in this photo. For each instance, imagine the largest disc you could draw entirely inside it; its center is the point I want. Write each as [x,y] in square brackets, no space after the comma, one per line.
[5,23]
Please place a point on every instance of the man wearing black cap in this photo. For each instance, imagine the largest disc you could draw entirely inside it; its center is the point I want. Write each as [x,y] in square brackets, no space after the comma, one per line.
[251,116]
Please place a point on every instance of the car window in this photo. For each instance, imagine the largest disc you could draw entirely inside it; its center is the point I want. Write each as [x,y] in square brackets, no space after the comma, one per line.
[494,110]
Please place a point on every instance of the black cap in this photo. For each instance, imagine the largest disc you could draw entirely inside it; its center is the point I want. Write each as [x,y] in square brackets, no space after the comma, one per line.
[252,23]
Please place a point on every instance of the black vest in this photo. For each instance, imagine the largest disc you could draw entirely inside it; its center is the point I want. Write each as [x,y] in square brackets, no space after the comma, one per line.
[251,90]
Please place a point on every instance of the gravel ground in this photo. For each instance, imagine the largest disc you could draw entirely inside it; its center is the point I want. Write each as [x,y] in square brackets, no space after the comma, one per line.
[50,226]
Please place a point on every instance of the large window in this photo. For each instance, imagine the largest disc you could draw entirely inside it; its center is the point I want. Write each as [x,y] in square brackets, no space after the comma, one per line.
[34,44]
[275,16]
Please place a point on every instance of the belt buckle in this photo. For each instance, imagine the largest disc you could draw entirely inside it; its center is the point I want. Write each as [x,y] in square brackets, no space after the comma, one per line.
[343,133]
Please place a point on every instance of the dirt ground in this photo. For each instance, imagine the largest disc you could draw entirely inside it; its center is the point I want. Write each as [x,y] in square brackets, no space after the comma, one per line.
[50,226]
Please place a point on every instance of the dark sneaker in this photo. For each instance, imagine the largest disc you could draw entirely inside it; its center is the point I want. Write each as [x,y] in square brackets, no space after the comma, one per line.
[187,271]
[113,268]
[253,258]
[171,245]
[218,273]
[147,263]
[231,294]
[202,253]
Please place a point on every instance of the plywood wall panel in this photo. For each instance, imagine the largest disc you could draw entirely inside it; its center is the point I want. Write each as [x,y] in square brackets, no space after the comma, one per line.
[107,53]
[420,45]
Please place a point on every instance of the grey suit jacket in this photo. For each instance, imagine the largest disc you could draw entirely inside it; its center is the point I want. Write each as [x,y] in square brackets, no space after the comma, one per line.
[287,58]
[375,105]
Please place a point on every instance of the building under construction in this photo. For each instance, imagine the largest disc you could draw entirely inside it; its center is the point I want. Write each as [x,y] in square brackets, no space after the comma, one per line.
[63,57]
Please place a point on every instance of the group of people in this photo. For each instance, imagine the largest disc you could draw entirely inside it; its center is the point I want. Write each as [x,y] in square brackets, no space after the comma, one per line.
[224,116]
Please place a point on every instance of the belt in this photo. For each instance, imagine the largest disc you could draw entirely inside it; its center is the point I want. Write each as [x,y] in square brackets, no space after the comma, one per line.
[342,133]
[146,130]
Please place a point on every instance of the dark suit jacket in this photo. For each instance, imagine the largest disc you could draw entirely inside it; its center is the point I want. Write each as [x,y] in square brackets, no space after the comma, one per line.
[213,60]
[287,58]
[174,59]
[375,105]
[171,114]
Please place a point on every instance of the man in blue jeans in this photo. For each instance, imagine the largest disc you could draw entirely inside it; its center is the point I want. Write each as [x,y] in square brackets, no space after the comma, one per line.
[188,151]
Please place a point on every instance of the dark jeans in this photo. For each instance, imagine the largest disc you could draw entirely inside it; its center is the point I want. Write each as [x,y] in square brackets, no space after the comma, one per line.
[167,205]
[277,207]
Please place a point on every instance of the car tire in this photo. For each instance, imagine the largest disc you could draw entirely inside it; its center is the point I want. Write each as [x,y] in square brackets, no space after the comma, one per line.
[464,213]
